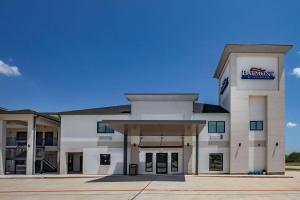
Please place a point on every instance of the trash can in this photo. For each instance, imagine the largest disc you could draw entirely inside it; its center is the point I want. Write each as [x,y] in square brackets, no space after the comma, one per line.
[133,169]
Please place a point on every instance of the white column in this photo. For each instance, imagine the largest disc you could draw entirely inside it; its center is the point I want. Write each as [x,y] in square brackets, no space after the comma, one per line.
[30,146]
[2,146]
[194,155]
[197,151]
[187,151]
[58,150]
[62,162]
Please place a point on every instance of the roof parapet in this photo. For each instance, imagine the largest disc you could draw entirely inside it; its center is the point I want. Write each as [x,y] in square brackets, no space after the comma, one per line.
[248,48]
[162,96]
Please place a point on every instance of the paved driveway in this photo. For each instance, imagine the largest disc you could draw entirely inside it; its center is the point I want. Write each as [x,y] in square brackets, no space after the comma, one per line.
[152,187]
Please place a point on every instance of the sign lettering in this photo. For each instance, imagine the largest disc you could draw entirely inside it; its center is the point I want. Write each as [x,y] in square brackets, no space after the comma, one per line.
[257,73]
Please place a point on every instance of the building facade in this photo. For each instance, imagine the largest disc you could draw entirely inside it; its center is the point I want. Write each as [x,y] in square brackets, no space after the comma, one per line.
[164,133]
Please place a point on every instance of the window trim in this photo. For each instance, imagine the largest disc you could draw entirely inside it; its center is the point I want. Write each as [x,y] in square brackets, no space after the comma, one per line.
[256,129]
[222,156]
[107,130]
[216,131]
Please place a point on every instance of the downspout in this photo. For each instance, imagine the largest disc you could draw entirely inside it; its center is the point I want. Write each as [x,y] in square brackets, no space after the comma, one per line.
[34,143]
[58,145]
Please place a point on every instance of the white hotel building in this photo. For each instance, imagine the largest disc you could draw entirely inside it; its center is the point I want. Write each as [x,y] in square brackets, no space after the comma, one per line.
[163,133]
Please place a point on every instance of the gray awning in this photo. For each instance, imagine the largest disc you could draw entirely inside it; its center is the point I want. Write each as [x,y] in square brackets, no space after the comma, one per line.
[154,122]
[157,127]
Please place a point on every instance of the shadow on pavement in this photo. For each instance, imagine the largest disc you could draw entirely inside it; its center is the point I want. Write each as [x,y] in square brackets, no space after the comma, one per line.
[116,178]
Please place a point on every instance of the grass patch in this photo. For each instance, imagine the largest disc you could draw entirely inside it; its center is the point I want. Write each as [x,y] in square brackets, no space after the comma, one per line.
[291,169]
[292,164]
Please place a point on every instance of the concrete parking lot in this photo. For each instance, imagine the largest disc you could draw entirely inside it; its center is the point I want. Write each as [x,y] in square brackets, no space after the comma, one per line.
[151,187]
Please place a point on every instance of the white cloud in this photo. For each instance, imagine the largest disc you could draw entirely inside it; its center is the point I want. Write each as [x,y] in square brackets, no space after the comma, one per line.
[291,125]
[9,70]
[296,72]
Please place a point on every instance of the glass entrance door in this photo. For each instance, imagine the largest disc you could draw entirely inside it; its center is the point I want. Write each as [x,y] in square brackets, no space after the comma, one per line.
[161,163]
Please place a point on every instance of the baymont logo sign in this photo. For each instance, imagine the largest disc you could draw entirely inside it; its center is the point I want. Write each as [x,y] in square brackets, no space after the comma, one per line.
[257,73]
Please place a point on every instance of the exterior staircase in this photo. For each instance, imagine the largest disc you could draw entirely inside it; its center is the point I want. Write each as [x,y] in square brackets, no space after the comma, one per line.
[49,166]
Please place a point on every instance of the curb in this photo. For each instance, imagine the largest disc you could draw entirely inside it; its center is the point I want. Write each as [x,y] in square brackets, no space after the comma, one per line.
[103,176]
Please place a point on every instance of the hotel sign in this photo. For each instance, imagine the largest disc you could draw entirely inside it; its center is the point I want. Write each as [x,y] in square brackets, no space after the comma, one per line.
[225,84]
[257,73]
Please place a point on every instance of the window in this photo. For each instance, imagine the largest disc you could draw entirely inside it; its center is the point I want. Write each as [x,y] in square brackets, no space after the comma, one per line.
[48,138]
[216,127]
[174,162]
[216,162]
[149,162]
[39,139]
[21,136]
[104,159]
[21,139]
[256,125]
[102,128]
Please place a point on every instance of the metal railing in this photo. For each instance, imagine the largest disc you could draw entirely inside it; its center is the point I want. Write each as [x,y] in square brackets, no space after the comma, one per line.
[49,142]
[39,153]
[13,141]
[17,153]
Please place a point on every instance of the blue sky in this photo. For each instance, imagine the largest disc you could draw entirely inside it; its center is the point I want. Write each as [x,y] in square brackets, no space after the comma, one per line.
[64,55]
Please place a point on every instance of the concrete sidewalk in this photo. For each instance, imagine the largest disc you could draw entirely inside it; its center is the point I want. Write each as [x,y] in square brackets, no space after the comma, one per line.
[150,187]
[57,176]
[18,176]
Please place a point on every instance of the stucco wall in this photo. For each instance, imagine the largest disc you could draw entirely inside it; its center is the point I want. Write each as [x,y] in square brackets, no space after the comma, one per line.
[162,110]
[267,62]
[224,99]
[257,138]
[79,132]
[241,90]
[91,160]
[212,143]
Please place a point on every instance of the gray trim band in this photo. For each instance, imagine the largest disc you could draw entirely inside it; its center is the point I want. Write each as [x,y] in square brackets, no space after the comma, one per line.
[213,143]
[154,122]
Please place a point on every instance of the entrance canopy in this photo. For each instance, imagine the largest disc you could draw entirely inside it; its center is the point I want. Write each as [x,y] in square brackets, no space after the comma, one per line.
[157,127]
